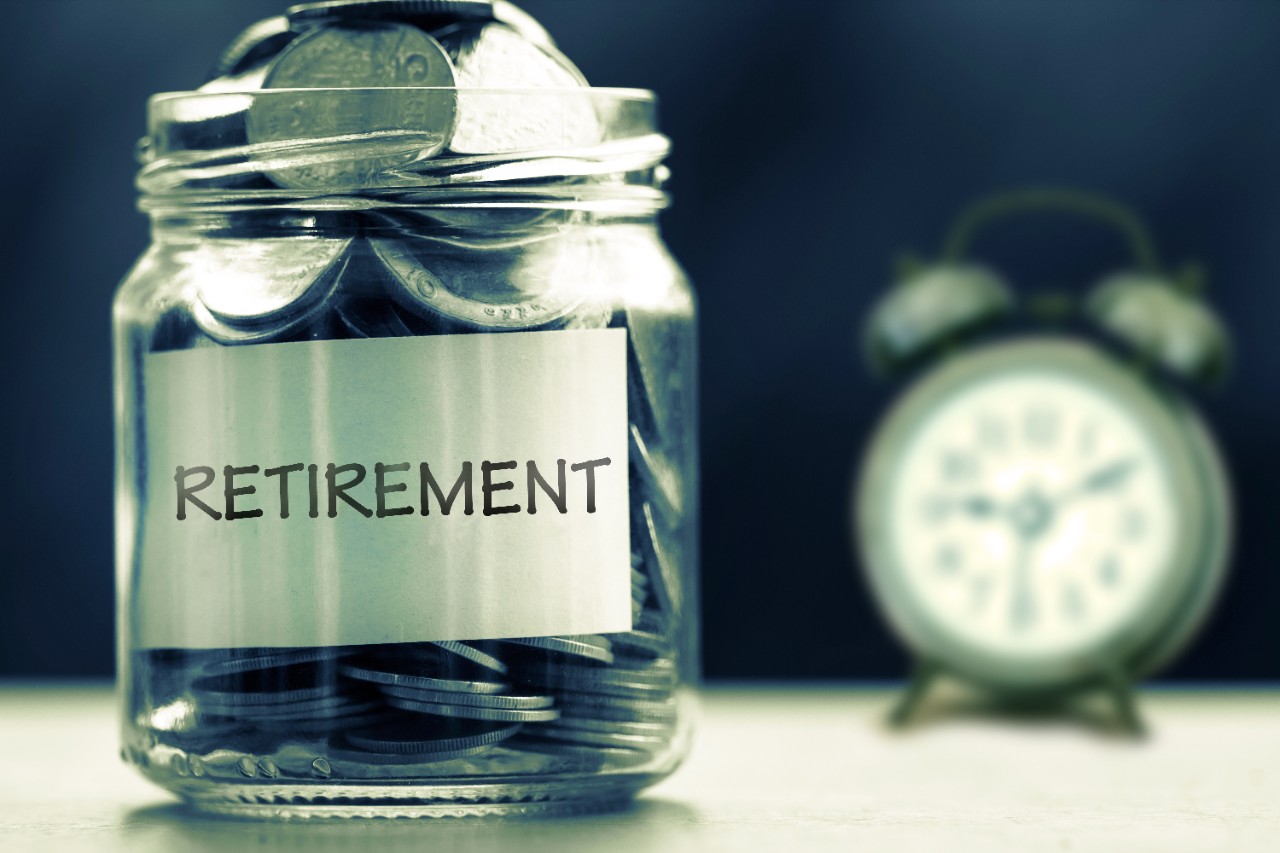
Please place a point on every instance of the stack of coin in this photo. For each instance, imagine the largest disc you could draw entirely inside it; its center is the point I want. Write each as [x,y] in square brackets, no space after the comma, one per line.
[439,53]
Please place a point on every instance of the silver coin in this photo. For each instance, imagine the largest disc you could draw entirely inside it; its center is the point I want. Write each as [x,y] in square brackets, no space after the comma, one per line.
[424,13]
[267,282]
[394,673]
[602,707]
[273,660]
[408,734]
[644,641]
[474,712]
[589,738]
[494,57]
[364,757]
[253,46]
[627,727]
[349,67]
[590,647]
[660,477]
[593,756]
[331,714]
[665,579]
[480,700]
[643,683]
[658,383]
[372,318]
[420,12]
[295,683]
[622,690]
[522,288]
[473,654]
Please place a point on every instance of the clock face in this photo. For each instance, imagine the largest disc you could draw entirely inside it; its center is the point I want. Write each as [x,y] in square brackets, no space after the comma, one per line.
[1032,509]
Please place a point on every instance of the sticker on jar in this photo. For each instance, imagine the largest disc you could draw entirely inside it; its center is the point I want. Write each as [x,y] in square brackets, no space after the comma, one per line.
[318,493]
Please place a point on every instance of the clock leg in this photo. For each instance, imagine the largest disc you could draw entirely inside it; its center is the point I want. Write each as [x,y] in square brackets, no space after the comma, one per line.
[921,675]
[1121,691]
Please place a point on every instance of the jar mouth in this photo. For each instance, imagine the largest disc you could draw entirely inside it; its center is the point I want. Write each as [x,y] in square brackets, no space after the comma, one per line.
[213,147]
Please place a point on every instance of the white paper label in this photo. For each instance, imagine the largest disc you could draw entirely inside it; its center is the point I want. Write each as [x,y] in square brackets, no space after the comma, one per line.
[231,432]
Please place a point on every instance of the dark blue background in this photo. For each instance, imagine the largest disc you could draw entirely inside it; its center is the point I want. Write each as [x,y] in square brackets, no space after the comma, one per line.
[814,141]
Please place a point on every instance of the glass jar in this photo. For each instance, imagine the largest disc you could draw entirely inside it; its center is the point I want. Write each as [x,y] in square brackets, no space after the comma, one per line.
[406,478]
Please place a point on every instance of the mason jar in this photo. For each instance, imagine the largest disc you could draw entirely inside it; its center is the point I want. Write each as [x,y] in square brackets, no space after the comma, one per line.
[407,477]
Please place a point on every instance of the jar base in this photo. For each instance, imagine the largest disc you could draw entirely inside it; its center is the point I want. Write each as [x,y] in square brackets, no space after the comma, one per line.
[559,798]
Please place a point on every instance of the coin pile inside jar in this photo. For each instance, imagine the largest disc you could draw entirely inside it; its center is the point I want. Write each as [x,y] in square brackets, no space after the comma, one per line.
[510,705]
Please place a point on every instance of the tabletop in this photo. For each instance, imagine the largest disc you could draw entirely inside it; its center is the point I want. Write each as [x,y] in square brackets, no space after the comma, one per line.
[773,767]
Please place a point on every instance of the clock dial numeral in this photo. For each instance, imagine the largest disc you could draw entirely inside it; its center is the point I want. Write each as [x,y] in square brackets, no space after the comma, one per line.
[949,559]
[1022,610]
[1087,440]
[1133,524]
[1041,426]
[1073,606]
[993,435]
[958,466]
[979,592]
[1109,571]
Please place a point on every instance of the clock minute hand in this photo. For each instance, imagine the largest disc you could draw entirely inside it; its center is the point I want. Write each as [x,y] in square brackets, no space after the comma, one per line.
[1107,477]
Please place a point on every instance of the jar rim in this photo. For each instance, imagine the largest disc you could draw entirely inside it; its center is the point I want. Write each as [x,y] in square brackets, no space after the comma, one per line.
[595,93]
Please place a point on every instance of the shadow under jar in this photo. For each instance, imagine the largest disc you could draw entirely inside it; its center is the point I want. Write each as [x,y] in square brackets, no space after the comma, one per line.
[406,498]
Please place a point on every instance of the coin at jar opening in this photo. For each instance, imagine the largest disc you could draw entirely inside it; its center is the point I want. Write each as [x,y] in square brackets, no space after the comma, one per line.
[358,61]
[427,14]
[493,56]
[265,281]
[492,289]
[257,43]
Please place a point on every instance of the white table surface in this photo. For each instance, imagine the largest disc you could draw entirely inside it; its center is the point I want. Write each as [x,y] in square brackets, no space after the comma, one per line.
[772,769]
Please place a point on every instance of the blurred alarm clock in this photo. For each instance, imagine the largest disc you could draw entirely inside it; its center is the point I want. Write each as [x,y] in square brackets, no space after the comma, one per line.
[1044,513]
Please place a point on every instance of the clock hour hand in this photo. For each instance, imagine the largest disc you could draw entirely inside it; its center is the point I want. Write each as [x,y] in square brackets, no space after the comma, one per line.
[977,506]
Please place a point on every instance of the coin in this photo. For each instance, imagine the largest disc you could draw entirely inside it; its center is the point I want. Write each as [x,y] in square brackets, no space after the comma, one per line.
[590,738]
[660,478]
[589,646]
[492,57]
[411,734]
[664,577]
[426,675]
[427,14]
[601,707]
[262,285]
[272,660]
[478,290]
[479,700]
[253,46]
[475,712]
[422,12]
[473,654]
[594,756]
[350,133]
[625,727]
[293,683]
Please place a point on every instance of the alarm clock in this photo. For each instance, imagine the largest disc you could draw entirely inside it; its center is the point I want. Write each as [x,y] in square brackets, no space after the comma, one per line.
[1044,512]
